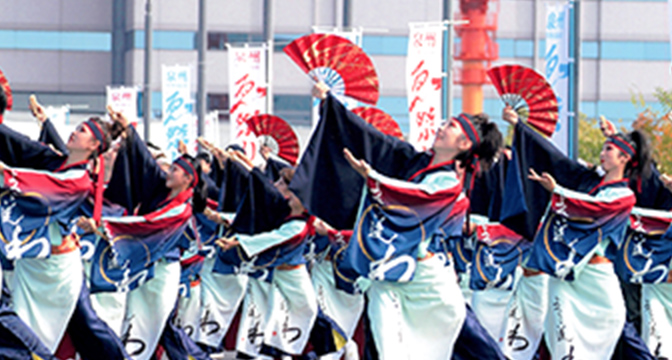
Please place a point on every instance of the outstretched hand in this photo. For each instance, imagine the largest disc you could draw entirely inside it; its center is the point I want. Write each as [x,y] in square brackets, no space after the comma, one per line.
[546,180]
[87,224]
[607,127]
[37,109]
[117,117]
[361,166]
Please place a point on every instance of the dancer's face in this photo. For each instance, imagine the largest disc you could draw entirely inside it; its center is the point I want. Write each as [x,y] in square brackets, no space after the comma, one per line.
[177,178]
[82,139]
[450,137]
[612,158]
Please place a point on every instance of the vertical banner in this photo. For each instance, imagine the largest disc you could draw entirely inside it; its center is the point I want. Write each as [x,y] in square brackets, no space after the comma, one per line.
[424,80]
[124,99]
[247,93]
[355,36]
[177,108]
[557,68]
[669,26]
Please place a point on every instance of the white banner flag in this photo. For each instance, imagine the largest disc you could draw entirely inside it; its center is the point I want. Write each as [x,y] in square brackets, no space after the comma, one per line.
[324,74]
[124,99]
[557,67]
[247,93]
[424,79]
[177,108]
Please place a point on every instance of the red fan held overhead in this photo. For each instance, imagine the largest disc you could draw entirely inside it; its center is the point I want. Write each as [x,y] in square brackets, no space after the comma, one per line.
[342,65]
[275,133]
[529,94]
[8,92]
[380,120]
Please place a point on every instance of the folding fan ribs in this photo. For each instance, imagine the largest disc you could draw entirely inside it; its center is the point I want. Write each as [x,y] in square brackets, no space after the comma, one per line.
[276,134]
[339,63]
[529,94]
[380,120]
[8,92]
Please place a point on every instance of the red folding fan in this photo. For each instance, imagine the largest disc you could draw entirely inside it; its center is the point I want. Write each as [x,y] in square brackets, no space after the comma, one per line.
[8,92]
[276,134]
[380,120]
[528,93]
[339,63]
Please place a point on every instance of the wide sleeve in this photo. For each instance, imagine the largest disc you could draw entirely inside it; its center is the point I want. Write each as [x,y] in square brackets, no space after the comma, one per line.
[49,136]
[324,181]
[18,150]
[651,192]
[136,178]
[255,244]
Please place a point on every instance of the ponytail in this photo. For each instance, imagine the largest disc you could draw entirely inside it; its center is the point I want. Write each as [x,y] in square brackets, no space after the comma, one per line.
[640,164]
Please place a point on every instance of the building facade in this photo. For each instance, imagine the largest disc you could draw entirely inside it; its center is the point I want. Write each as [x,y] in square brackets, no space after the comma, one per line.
[68,51]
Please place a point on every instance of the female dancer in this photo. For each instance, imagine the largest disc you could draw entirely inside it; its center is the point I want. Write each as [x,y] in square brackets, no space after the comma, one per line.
[156,198]
[413,314]
[38,209]
[582,226]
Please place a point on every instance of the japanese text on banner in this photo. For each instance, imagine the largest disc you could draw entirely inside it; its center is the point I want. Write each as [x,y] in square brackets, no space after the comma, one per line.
[178,120]
[124,99]
[247,94]
[424,71]
[557,67]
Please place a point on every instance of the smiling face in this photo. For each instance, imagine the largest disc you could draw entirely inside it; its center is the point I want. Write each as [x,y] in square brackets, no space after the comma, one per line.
[177,178]
[451,138]
[82,140]
[612,158]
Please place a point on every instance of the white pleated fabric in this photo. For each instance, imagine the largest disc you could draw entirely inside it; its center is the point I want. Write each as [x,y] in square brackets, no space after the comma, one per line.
[419,319]
[657,319]
[525,318]
[148,309]
[45,293]
[221,295]
[585,316]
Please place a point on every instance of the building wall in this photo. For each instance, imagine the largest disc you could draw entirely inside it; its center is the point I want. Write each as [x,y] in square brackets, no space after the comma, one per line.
[62,49]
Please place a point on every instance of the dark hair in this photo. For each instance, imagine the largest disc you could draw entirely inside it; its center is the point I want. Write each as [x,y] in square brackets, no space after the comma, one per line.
[489,146]
[3,101]
[640,164]
[200,197]
[204,156]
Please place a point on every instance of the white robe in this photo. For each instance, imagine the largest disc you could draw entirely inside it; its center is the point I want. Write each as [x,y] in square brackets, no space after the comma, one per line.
[657,318]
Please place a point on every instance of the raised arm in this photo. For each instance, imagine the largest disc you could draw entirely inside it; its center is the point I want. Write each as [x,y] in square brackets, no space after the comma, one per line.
[136,178]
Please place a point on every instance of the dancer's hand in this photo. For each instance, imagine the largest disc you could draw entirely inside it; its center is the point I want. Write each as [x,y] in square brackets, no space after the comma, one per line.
[87,224]
[227,243]
[361,166]
[510,115]
[320,90]
[546,180]
[667,181]
[117,117]
[607,127]
[37,109]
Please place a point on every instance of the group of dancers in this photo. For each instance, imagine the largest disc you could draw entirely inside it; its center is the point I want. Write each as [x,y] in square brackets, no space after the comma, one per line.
[366,249]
